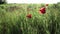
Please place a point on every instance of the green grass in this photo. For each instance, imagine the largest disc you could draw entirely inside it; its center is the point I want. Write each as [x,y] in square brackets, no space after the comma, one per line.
[13,19]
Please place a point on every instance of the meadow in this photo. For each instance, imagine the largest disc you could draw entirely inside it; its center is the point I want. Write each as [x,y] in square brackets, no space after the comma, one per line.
[13,19]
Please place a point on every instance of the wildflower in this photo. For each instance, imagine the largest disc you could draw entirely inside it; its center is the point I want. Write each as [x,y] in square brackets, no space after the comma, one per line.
[42,10]
[29,16]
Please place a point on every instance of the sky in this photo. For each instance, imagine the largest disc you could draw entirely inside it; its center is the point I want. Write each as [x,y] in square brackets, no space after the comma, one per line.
[33,1]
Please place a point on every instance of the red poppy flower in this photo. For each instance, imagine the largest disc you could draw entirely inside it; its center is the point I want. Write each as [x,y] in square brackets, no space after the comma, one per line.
[46,4]
[42,10]
[29,16]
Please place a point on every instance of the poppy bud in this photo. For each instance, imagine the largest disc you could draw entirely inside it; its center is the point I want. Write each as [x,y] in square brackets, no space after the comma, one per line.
[46,4]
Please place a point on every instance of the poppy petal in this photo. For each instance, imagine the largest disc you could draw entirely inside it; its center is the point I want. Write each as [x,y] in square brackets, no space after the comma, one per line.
[29,16]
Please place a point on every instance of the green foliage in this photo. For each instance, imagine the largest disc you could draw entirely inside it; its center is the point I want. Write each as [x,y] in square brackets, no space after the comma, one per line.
[16,22]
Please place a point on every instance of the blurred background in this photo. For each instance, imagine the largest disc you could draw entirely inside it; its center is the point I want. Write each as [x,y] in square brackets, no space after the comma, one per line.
[13,18]
[30,1]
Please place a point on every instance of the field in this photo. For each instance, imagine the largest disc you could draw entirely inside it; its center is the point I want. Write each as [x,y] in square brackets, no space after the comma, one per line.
[13,19]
